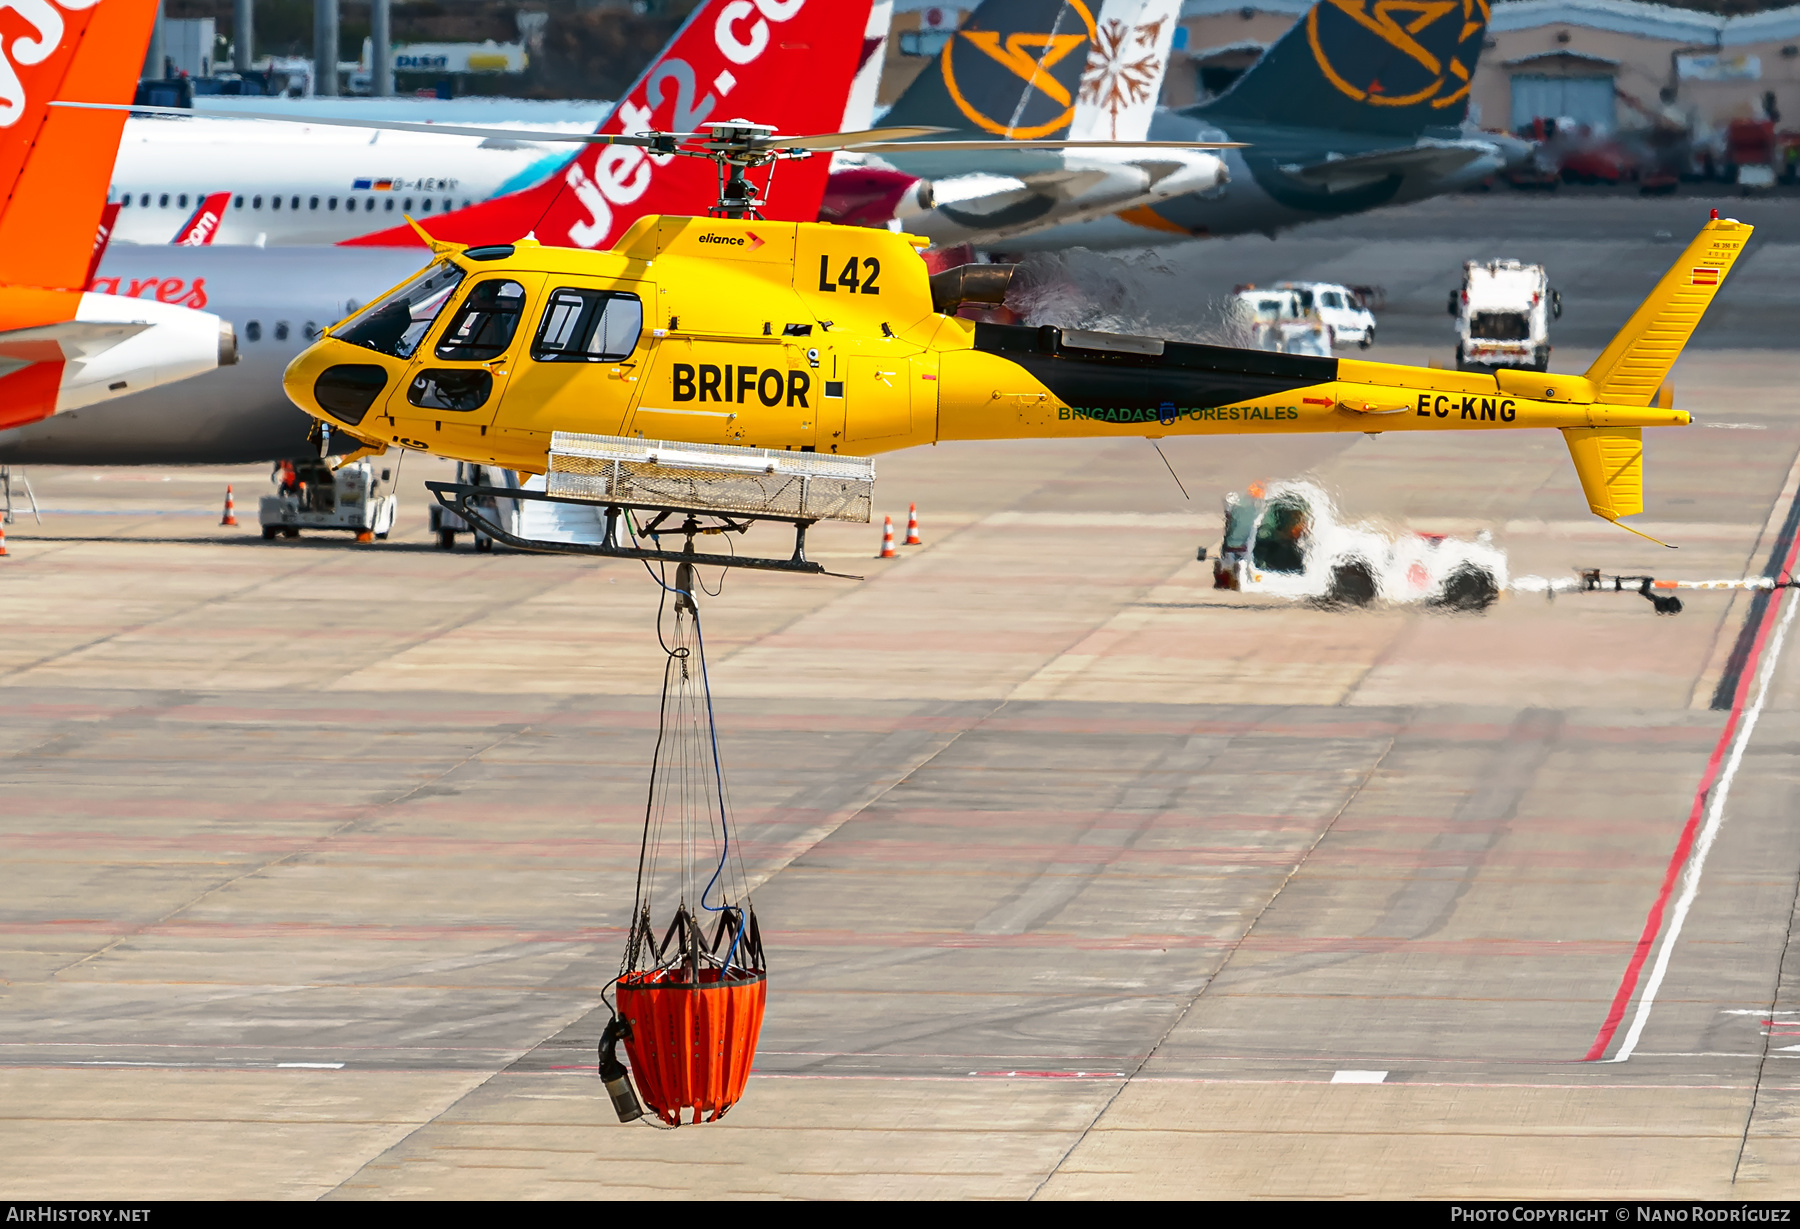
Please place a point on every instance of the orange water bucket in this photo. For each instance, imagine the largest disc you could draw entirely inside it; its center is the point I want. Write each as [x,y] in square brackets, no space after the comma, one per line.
[691,1044]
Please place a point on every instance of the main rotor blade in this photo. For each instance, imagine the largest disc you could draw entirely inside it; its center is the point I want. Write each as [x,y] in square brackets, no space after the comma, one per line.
[845,140]
[935,147]
[444,130]
[871,140]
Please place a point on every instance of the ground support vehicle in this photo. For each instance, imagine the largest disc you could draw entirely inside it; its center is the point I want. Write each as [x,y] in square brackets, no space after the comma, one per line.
[446,524]
[1278,321]
[309,494]
[524,518]
[1503,312]
[1287,540]
[1341,308]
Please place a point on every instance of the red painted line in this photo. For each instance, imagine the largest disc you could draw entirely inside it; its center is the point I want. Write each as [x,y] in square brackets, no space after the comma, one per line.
[1684,846]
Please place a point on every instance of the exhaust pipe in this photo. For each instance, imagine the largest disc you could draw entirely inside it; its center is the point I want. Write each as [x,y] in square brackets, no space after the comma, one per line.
[228,350]
[970,284]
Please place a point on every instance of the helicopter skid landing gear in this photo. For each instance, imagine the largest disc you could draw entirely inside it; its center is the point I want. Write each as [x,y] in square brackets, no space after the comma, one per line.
[465,500]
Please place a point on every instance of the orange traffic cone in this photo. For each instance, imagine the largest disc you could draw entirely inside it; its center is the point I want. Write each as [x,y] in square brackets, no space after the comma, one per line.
[230,517]
[887,539]
[912,526]
[3,551]
[364,535]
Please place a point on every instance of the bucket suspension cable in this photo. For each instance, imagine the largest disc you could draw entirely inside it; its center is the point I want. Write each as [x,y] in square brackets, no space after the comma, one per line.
[689,1003]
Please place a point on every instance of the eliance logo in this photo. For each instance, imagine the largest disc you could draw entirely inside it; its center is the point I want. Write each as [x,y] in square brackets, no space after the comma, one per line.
[731,239]
[47,35]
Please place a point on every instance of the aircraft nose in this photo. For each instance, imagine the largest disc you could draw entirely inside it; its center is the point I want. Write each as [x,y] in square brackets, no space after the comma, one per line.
[228,351]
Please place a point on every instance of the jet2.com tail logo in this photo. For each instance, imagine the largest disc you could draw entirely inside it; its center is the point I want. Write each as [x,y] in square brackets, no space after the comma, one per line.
[1398,53]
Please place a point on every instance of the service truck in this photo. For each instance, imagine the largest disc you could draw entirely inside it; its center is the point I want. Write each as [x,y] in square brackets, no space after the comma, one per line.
[1277,319]
[1503,312]
[1287,539]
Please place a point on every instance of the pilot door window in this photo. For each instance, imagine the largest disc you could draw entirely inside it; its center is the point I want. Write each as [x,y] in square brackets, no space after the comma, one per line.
[588,326]
[398,323]
[480,332]
[484,325]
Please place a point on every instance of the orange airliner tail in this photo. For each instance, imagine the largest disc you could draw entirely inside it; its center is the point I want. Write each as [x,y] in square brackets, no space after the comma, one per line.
[55,163]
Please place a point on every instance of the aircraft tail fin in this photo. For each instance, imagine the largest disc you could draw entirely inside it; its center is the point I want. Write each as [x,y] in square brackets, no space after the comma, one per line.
[1361,67]
[859,109]
[728,60]
[55,163]
[1610,463]
[1013,69]
[1636,363]
[203,224]
[1124,73]
[109,218]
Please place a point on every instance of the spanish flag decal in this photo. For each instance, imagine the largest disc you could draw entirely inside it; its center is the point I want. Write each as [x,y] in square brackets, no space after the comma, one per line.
[1705,276]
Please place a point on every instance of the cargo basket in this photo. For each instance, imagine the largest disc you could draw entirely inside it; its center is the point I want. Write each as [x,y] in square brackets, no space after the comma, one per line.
[610,469]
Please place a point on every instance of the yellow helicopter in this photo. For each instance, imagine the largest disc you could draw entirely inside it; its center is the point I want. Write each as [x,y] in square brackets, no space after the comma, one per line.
[721,350]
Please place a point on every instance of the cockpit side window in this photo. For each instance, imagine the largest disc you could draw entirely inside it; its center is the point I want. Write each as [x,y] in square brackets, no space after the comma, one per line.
[588,326]
[396,324]
[484,325]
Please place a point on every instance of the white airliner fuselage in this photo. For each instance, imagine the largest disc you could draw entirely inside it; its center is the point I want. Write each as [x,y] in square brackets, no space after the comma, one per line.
[299,184]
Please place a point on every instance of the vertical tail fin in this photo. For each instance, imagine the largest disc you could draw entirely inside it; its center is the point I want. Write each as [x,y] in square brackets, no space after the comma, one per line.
[203,224]
[1634,369]
[1635,364]
[1610,463]
[109,218]
[859,111]
[1124,73]
[1012,70]
[1364,66]
[783,62]
[55,163]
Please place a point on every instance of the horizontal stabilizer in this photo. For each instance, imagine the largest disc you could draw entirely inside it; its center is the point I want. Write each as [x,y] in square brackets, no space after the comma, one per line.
[1343,174]
[70,341]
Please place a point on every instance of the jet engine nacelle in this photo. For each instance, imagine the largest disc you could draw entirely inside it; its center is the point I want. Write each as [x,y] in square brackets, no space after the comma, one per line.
[874,196]
[1037,191]
[149,344]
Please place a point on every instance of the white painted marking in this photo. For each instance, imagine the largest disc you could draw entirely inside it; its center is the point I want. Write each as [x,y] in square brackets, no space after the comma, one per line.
[315,1066]
[1755,1011]
[1358,1077]
[1715,818]
[1735,426]
[724,82]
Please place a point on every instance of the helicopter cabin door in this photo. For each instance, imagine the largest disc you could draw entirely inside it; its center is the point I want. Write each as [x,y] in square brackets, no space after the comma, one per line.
[588,351]
[456,383]
[878,409]
[716,388]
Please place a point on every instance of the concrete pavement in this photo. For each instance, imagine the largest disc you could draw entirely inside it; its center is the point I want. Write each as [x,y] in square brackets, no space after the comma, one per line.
[1080,877]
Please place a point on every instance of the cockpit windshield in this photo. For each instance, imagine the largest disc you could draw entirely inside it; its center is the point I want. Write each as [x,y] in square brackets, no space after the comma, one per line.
[397,324]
